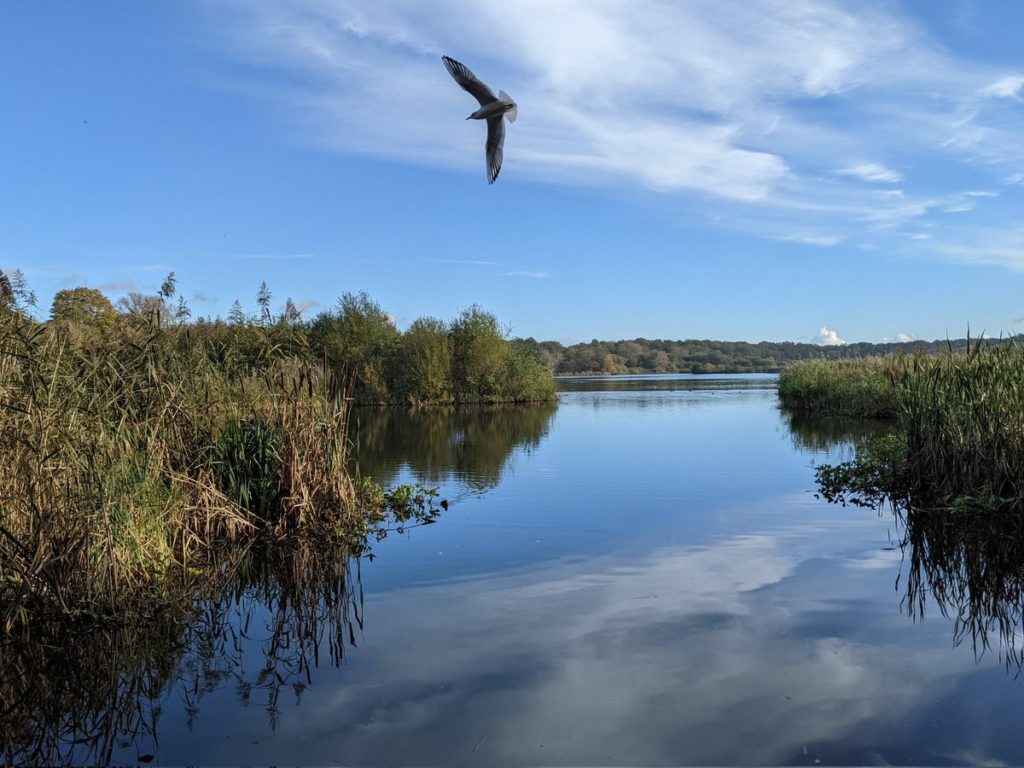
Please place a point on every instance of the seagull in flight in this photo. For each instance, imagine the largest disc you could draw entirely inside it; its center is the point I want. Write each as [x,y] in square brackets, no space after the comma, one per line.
[493,109]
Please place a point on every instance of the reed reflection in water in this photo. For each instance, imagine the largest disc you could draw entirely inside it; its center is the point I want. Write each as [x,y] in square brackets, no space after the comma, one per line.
[88,695]
[966,564]
[822,435]
[971,568]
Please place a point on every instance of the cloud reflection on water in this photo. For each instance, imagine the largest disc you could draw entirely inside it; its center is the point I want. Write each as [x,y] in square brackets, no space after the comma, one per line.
[739,652]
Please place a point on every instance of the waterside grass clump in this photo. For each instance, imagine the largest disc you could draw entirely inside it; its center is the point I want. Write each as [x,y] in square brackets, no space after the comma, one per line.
[129,460]
[962,417]
[858,388]
[958,419]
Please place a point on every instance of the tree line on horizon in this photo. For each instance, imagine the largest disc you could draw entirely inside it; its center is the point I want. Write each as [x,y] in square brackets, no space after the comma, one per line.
[470,359]
[706,356]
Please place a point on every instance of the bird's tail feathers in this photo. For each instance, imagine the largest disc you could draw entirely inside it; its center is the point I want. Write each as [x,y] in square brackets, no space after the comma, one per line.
[511,114]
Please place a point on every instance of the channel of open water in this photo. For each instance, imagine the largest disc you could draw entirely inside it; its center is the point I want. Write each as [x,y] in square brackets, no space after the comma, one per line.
[639,575]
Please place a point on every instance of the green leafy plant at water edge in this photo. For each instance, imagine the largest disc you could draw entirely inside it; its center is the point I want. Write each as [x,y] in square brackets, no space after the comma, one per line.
[878,472]
[396,510]
[246,460]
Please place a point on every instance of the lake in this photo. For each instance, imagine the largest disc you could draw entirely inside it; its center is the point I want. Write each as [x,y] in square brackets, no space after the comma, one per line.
[641,574]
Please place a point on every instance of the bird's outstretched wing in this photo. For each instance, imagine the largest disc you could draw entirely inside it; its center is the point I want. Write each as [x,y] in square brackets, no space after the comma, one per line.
[469,81]
[495,141]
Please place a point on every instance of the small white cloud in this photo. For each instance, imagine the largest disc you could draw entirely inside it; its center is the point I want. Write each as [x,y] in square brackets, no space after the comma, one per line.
[1006,87]
[811,239]
[538,275]
[981,193]
[122,285]
[920,236]
[828,338]
[899,338]
[872,172]
[1017,178]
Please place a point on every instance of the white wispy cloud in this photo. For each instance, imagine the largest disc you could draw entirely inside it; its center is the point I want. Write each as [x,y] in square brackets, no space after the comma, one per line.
[959,207]
[713,101]
[1003,247]
[1008,86]
[537,275]
[474,262]
[872,172]
[828,338]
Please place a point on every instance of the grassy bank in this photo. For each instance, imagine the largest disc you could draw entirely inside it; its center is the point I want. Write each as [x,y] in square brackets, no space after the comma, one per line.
[958,423]
[130,459]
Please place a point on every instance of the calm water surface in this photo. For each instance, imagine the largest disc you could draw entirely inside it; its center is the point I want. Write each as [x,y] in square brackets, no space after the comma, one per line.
[640,575]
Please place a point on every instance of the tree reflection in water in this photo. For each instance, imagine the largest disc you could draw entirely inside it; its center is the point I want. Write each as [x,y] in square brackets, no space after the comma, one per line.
[471,444]
[81,694]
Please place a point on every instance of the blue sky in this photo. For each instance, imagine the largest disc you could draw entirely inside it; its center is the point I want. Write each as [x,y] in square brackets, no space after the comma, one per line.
[780,170]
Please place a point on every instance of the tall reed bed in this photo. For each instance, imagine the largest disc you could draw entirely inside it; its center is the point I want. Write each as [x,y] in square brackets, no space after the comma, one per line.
[958,418]
[860,387]
[126,456]
[962,416]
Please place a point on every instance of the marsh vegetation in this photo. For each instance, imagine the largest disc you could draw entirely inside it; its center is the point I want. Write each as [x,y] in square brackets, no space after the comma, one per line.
[957,425]
[138,449]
